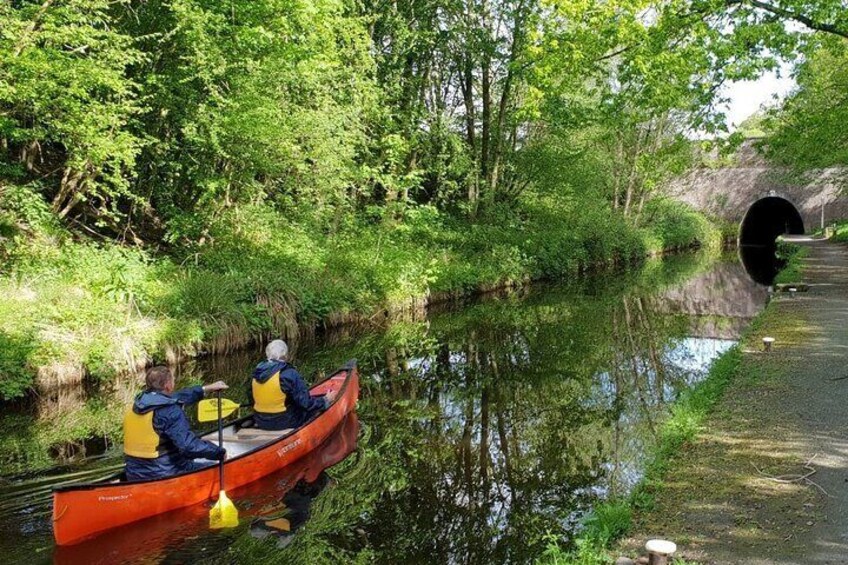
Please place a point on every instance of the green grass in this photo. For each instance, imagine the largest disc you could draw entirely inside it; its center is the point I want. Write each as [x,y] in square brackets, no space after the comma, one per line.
[72,307]
[793,255]
[605,524]
[687,416]
[840,232]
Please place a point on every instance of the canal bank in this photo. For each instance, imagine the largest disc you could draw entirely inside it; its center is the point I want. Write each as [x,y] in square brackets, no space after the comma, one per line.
[79,311]
[765,480]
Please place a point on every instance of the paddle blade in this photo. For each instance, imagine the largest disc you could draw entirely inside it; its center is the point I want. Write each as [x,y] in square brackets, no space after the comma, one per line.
[224,514]
[281,524]
[207,410]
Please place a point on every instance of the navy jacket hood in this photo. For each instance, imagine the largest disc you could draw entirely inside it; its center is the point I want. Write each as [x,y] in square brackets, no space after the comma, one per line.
[151,400]
[267,369]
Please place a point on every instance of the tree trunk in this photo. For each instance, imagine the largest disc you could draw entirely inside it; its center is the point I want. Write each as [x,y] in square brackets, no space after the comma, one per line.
[486,94]
[467,84]
[503,104]
[658,133]
[616,187]
[71,189]
[30,153]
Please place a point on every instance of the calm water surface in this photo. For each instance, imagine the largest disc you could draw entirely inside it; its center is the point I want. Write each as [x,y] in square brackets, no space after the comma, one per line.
[481,428]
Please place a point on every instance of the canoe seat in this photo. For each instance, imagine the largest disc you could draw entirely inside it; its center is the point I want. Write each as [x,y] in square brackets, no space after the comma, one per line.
[260,436]
[236,447]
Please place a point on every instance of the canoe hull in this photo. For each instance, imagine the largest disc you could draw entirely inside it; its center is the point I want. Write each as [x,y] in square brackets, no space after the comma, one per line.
[84,511]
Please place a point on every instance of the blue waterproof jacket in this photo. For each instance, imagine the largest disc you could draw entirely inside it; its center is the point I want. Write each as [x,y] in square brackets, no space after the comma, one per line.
[170,422]
[300,406]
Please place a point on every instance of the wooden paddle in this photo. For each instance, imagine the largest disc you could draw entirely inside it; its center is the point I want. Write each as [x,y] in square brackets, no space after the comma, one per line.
[224,514]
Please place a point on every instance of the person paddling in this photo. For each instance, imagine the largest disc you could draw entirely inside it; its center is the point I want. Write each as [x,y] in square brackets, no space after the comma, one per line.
[279,396]
[158,441]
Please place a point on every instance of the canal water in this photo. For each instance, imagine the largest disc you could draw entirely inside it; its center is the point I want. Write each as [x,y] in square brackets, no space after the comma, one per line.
[483,428]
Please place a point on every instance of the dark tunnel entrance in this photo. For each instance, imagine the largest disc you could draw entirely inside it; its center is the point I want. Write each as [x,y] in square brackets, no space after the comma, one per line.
[765,220]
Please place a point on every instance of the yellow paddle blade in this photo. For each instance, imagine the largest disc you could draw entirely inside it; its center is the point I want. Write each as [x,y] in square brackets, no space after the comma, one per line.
[207,410]
[224,514]
[281,524]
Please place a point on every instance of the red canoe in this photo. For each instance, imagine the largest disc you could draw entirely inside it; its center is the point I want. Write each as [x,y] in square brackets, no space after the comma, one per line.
[85,510]
[154,539]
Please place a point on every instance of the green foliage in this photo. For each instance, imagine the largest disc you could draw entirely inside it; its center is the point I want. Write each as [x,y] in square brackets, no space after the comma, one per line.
[793,255]
[103,308]
[754,126]
[66,100]
[143,122]
[15,375]
[605,524]
[678,226]
[245,102]
[840,232]
[808,128]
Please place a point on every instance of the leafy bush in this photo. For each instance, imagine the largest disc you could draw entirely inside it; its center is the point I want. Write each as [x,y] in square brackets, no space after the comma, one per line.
[608,522]
[677,226]
[15,377]
[840,232]
[793,255]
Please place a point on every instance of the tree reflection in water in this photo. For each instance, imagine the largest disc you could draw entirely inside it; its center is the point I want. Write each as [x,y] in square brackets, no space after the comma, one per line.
[502,421]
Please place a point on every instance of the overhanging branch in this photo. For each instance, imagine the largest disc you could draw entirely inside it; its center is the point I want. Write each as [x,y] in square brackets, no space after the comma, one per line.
[789,14]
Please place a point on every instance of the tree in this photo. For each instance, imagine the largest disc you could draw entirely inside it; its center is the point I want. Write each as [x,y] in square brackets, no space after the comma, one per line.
[66,103]
[809,128]
[250,100]
[458,66]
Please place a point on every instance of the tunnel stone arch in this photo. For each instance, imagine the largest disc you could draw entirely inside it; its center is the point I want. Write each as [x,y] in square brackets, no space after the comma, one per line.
[764,221]
[768,218]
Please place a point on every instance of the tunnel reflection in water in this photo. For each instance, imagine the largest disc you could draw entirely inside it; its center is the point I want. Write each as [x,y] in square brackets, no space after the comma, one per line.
[765,220]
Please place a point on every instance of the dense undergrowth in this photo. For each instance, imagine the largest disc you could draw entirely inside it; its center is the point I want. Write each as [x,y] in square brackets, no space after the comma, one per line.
[71,305]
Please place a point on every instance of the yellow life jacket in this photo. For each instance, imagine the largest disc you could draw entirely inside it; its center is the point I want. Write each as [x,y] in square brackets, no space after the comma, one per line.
[140,439]
[268,398]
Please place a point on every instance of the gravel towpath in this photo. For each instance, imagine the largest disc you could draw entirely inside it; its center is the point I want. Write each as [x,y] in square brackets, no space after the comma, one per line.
[818,393]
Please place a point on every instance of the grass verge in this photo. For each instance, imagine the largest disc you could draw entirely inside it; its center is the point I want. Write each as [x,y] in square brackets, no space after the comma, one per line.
[610,520]
[794,256]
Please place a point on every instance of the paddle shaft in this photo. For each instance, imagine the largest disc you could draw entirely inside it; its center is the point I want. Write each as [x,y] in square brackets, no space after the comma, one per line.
[220,443]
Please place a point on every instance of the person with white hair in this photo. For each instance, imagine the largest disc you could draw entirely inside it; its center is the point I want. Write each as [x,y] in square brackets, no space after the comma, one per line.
[278,393]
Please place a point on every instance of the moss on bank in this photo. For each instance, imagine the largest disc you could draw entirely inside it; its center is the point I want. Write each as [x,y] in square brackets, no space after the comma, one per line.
[72,306]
